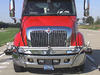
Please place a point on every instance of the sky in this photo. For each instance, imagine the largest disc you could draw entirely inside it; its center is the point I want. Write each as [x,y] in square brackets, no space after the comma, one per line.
[4,9]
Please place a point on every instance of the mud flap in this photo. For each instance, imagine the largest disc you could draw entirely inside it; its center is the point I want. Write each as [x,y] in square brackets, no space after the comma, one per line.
[48,65]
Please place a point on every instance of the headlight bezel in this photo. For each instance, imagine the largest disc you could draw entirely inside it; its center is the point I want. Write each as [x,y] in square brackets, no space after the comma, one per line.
[21,50]
[75,51]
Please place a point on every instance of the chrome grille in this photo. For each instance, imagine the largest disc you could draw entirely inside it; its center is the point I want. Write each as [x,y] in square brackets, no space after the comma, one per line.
[39,39]
[58,38]
[43,39]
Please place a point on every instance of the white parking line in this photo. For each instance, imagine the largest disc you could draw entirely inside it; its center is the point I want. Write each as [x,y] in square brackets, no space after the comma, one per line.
[4,63]
[1,52]
[2,67]
[2,55]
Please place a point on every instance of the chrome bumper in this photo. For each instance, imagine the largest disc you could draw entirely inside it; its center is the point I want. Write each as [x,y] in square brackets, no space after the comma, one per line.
[23,61]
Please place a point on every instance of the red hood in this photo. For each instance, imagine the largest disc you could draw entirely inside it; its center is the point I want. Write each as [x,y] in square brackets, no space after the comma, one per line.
[67,21]
[35,21]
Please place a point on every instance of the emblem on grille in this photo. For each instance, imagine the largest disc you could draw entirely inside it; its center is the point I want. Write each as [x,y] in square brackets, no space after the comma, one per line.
[48,31]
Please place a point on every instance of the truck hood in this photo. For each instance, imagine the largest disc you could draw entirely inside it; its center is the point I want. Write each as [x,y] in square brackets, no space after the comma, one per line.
[31,21]
[47,21]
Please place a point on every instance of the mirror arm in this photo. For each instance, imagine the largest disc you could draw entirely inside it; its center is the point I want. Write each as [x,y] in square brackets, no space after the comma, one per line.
[14,19]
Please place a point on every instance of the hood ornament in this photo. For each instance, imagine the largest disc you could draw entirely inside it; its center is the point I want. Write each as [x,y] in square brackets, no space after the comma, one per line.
[48,31]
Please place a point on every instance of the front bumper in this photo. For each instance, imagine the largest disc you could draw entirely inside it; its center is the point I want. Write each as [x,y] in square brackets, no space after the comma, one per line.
[22,60]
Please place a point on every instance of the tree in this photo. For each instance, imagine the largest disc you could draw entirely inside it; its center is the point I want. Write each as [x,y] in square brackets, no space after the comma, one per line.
[90,20]
[97,20]
[84,20]
[3,25]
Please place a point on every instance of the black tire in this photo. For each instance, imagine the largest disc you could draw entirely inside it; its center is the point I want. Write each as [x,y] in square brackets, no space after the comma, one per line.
[19,68]
[8,52]
[80,68]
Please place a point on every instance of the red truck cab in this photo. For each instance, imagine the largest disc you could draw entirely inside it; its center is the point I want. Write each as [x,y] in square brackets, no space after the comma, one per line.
[48,36]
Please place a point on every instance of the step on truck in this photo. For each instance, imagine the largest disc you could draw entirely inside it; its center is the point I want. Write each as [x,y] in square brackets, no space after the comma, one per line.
[48,36]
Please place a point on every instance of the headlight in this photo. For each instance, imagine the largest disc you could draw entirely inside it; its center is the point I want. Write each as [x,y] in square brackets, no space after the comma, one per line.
[73,51]
[69,52]
[40,61]
[56,61]
[66,60]
[21,50]
[28,52]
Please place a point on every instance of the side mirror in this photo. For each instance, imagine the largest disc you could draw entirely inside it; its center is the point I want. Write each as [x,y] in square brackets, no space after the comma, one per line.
[12,9]
[86,7]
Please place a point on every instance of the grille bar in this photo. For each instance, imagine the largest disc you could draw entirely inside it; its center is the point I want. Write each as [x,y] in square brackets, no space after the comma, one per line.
[58,38]
[39,39]
[53,39]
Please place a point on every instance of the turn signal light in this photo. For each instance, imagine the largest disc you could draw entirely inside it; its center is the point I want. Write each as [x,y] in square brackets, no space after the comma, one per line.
[30,60]
[14,50]
[66,60]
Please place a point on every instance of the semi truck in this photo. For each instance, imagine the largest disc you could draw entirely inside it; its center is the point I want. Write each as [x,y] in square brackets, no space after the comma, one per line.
[48,36]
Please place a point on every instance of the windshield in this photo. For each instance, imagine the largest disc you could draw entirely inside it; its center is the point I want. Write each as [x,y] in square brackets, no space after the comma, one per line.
[49,7]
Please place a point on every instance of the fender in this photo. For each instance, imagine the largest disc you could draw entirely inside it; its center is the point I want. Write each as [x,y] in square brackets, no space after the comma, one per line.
[18,40]
[79,40]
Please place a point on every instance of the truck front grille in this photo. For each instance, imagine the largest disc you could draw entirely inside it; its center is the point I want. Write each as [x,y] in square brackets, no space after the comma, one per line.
[58,38]
[44,39]
[39,39]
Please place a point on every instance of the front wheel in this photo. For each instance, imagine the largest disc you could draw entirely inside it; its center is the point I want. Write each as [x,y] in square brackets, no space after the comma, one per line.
[80,68]
[18,68]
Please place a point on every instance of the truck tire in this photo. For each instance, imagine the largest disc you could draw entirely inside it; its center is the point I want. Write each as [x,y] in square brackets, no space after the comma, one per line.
[19,68]
[80,68]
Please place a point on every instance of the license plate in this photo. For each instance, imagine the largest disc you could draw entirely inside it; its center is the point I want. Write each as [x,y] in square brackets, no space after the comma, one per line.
[48,67]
